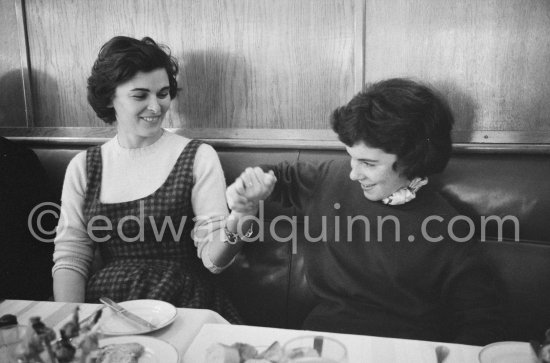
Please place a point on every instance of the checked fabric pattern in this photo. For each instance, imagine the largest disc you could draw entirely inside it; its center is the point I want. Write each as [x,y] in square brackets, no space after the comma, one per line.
[155,265]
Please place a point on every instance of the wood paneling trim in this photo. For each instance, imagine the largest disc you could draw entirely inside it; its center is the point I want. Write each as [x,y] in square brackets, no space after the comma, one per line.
[25,63]
[275,136]
[473,148]
[501,137]
[12,93]
[360,38]
[496,142]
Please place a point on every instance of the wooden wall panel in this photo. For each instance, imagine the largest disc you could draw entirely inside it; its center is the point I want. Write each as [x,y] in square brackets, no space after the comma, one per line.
[273,70]
[490,57]
[281,64]
[12,102]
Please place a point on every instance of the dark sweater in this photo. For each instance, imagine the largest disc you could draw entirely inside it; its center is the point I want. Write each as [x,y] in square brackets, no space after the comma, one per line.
[25,263]
[376,281]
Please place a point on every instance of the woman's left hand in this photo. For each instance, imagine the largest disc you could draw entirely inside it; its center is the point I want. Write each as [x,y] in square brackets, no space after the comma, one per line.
[249,188]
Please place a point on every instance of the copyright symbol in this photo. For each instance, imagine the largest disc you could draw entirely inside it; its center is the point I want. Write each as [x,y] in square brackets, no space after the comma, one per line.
[37,223]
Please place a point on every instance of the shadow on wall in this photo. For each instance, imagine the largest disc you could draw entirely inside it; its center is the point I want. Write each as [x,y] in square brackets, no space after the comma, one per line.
[463,105]
[213,89]
[12,100]
[464,110]
[52,109]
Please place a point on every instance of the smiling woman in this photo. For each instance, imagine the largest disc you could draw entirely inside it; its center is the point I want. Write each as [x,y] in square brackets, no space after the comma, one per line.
[140,105]
[373,169]
[137,181]
[399,284]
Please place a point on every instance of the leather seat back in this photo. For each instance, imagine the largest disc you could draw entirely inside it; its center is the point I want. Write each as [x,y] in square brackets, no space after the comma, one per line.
[269,287]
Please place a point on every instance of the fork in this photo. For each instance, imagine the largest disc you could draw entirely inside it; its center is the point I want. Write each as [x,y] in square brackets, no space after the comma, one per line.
[91,315]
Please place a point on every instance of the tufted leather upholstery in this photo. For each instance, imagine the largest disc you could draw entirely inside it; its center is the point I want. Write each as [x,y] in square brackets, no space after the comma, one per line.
[267,281]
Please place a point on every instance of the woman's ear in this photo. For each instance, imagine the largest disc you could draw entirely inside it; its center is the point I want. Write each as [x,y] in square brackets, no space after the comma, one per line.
[395,166]
[110,104]
[398,167]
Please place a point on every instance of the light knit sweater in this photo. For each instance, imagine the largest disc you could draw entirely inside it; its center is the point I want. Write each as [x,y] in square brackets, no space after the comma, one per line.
[130,174]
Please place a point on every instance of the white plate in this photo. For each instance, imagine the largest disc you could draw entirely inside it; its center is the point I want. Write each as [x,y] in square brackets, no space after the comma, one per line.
[507,352]
[156,350]
[158,313]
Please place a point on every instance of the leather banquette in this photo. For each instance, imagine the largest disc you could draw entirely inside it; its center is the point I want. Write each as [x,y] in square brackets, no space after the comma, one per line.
[267,282]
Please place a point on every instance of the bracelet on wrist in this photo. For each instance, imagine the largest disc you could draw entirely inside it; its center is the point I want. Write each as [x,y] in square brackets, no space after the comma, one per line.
[234,237]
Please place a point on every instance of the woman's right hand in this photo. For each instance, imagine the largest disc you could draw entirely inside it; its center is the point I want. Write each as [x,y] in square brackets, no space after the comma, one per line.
[249,188]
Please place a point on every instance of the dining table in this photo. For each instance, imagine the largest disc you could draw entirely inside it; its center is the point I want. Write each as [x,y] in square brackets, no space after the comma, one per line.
[180,333]
[193,331]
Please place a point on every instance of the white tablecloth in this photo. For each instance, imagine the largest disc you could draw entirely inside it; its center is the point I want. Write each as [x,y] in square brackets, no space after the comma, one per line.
[194,330]
[54,314]
[361,349]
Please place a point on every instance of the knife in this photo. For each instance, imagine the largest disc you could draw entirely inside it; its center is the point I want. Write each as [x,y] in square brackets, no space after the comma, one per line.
[121,311]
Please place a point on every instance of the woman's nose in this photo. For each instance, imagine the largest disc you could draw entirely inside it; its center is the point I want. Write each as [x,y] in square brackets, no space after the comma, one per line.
[353,175]
[154,105]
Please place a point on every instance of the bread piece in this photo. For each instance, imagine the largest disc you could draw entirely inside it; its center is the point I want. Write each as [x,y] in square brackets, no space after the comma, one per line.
[274,353]
[246,351]
[221,353]
[120,353]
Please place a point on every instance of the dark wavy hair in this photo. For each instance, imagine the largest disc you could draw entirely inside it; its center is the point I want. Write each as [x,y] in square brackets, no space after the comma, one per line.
[401,117]
[119,60]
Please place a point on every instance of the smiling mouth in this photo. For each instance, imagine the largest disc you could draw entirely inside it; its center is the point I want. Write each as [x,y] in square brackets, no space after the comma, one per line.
[367,186]
[151,119]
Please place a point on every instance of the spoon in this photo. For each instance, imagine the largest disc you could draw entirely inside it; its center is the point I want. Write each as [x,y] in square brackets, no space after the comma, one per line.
[441,352]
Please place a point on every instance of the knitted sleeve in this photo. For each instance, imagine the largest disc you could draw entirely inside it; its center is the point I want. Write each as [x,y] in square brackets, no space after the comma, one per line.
[297,182]
[73,247]
[209,204]
[473,299]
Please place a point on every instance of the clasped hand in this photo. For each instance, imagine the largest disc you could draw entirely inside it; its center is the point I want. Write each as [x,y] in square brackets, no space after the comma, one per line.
[249,188]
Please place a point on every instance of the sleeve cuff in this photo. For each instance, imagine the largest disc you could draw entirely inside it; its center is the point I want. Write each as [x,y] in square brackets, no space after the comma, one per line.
[210,265]
[79,270]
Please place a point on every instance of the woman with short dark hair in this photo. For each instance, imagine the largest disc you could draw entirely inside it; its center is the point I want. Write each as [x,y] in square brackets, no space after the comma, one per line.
[118,61]
[378,253]
[148,199]
[401,117]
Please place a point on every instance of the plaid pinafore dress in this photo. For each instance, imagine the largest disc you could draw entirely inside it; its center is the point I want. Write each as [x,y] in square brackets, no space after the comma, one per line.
[141,262]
